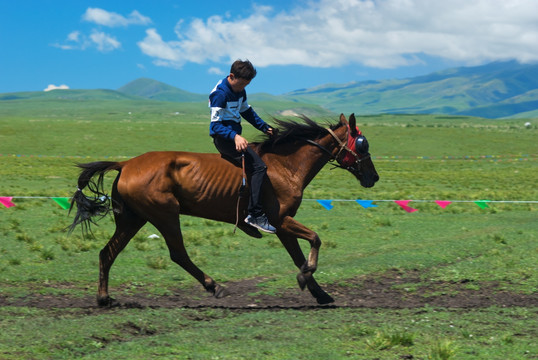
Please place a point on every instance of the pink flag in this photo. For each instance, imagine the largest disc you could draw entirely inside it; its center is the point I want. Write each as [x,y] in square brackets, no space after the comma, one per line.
[403,204]
[442,203]
[6,201]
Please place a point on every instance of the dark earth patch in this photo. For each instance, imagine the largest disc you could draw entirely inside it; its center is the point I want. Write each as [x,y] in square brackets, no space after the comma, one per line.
[393,290]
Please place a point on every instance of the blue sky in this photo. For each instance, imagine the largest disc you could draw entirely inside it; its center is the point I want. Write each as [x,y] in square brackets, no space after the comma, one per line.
[294,44]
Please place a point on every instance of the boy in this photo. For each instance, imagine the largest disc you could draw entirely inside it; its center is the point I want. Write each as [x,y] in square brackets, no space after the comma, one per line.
[228,103]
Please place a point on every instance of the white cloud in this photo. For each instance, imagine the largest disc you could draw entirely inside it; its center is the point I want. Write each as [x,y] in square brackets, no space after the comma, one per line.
[104,42]
[165,53]
[76,40]
[54,87]
[74,36]
[381,34]
[215,71]
[136,18]
[63,46]
[112,19]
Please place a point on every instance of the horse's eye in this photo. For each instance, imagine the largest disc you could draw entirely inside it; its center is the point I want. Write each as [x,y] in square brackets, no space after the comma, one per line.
[361,145]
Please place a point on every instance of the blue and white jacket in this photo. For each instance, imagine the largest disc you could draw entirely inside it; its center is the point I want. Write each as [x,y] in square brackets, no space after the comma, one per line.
[227,108]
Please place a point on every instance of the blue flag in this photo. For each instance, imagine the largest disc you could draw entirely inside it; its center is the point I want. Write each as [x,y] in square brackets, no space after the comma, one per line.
[326,204]
[366,203]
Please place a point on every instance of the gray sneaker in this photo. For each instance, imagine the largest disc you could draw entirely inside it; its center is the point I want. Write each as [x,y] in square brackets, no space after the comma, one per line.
[260,223]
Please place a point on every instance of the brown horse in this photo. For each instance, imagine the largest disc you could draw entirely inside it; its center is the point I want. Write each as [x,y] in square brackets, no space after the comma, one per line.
[159,186]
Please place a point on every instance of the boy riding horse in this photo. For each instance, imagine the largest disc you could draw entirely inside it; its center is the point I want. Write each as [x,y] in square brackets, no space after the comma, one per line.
[228,103]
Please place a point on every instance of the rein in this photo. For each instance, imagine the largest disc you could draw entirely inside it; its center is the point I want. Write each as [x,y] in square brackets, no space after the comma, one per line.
[343,146]
[241,189]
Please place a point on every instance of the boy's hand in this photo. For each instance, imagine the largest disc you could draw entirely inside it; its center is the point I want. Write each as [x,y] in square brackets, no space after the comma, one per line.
[241,143]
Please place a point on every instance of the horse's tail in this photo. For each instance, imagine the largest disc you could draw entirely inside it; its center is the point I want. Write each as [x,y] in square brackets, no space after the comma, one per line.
[97,205]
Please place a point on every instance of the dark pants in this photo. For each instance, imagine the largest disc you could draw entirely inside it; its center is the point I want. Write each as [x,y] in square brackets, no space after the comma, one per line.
[254,166]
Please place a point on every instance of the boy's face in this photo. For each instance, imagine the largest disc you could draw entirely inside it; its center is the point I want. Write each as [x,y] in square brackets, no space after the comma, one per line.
[237,84]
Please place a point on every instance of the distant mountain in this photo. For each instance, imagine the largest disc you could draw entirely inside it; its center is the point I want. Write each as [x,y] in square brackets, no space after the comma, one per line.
[68,94]
[496,90]
[265,104]
[502,89]
[156,90]
[142,94]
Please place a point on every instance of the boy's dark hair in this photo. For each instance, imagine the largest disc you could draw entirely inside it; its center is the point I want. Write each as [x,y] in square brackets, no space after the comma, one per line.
[243,69]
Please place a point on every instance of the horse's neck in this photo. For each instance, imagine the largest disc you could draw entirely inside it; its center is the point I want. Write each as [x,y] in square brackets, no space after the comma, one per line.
[303,164]
[318,158]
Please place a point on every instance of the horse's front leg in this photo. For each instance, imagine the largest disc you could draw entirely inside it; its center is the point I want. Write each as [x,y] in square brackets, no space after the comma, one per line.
[288,233]
[292,227]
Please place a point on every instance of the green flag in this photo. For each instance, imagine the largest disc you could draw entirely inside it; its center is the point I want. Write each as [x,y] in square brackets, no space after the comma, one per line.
[63,202]
[482,204]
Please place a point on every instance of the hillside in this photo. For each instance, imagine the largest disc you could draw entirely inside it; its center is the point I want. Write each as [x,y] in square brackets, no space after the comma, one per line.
[495,90]
[75,95]
[156,90]
[265,104]
[84,103]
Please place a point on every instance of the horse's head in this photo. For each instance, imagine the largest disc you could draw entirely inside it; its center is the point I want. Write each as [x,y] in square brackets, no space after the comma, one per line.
[354,154]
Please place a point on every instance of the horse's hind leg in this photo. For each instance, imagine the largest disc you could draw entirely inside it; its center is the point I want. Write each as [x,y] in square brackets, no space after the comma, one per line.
[171,231]
[127,225]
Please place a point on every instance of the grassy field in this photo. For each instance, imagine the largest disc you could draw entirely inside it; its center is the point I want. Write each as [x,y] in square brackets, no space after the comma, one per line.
[481,250]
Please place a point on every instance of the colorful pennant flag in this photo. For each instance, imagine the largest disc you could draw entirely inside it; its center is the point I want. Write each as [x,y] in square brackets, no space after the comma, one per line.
[366,203]
[482,204]
[326,204]
[442,203]
[6,201]
[63,202]
[403,204]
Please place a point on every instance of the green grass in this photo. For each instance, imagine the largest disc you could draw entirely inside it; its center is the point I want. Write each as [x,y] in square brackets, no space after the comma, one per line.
[462,243]
[287,334]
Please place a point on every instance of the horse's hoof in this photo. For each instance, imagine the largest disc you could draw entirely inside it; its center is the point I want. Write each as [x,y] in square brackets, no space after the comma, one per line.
[325,299]
[220,292]
[104,301]
[301,280]
[251,231]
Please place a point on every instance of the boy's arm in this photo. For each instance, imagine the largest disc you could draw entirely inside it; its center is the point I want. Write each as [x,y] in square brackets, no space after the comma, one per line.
[256,121]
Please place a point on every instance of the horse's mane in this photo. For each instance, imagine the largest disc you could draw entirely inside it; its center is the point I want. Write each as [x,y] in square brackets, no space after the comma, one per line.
[290,131]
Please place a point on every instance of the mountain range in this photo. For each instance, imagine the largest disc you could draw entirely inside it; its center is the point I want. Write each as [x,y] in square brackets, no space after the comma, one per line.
[495,90]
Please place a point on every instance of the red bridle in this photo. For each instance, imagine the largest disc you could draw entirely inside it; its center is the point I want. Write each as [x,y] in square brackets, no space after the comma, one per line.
[349,158]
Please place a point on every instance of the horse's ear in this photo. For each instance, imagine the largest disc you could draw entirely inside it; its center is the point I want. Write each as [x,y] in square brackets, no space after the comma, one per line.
[343,119]
[353,125]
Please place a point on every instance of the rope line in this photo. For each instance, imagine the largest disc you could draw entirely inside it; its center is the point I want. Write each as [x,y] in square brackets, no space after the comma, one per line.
[340,200]
[510,157]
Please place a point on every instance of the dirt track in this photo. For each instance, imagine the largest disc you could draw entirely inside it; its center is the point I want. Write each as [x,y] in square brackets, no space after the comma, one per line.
[390,291]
